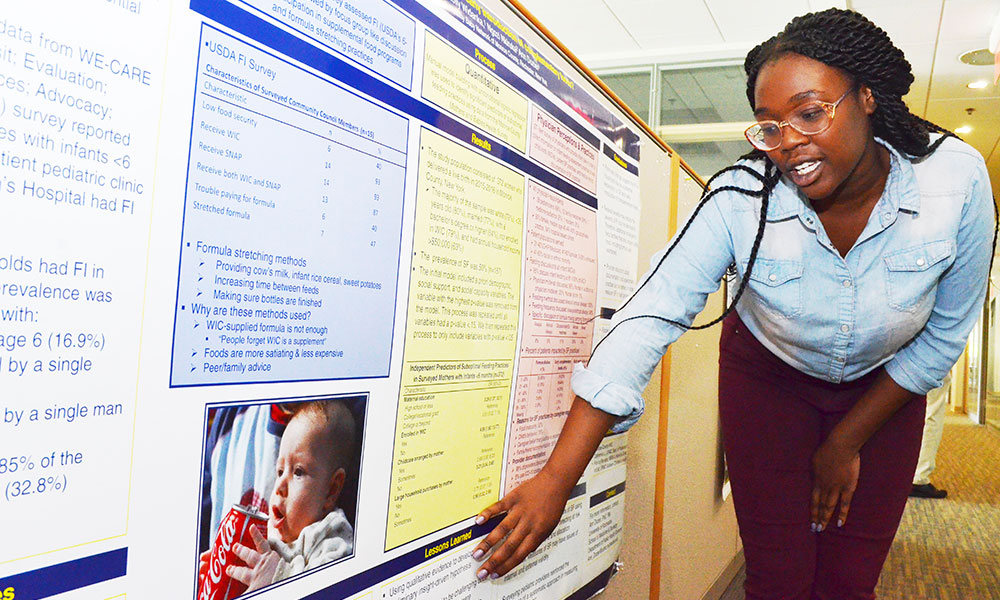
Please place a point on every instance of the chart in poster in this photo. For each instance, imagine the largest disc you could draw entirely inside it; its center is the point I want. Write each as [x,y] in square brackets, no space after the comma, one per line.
[272,306]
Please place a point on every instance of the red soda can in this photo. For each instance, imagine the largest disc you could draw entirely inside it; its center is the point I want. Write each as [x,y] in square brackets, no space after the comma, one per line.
[235,527]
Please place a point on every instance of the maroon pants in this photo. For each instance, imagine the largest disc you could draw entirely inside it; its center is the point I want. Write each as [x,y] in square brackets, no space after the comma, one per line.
[774,418]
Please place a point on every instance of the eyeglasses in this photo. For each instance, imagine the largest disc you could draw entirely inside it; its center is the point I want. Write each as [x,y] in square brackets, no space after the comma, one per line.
[809,119]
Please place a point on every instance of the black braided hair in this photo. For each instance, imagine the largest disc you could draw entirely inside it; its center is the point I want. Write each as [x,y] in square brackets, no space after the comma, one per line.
[768,181]
[850,42]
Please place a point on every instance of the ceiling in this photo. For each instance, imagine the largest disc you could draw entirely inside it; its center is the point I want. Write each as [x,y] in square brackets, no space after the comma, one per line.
[613,37]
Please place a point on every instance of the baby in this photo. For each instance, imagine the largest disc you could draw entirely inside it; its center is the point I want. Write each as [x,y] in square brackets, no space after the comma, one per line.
[305,528]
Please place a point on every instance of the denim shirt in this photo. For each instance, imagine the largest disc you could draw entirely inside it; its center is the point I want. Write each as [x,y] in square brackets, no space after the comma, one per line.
[906,295]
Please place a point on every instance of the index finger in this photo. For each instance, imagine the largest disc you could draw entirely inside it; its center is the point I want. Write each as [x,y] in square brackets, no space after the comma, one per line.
[259,540]
[499,532]
[515,533]
[491,511]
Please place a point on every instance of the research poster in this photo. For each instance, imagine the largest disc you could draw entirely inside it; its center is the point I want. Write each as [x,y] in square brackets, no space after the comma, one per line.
[290,290]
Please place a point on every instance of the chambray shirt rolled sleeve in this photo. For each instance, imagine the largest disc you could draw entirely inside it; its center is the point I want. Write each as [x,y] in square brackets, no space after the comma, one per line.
[613,398]
[620,368]
[921,364]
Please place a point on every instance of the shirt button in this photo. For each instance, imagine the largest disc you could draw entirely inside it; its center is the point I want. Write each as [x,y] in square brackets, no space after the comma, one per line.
[771,277]
[920,262]
[845,328]
[847,283]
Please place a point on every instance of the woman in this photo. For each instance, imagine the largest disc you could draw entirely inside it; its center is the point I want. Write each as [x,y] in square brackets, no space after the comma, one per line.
[865,243]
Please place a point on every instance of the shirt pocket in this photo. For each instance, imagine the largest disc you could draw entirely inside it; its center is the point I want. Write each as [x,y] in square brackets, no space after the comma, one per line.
[912,274]
[777,286]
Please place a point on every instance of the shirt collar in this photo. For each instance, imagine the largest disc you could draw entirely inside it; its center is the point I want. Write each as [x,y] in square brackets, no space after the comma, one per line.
[904,193]
[901,192]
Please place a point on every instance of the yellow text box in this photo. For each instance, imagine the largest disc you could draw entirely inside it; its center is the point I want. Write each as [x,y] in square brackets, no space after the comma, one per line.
[461,335]
[471,91]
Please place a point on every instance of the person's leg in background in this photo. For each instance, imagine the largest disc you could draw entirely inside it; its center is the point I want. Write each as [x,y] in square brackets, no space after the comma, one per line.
[937,400]
[849,559]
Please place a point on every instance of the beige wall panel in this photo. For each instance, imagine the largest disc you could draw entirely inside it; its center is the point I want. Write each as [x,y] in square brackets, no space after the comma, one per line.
[700,540]
[700,537]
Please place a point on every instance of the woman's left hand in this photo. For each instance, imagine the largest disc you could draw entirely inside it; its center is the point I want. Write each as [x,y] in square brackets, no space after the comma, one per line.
[835,477]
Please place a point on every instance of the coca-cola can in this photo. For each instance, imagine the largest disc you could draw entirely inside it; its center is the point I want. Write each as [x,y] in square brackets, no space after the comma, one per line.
[235,527]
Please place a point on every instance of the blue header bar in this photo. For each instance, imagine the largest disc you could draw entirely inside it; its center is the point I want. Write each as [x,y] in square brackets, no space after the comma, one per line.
[67,576]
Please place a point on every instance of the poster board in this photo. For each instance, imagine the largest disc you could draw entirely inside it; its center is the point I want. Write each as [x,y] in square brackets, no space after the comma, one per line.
[382,226]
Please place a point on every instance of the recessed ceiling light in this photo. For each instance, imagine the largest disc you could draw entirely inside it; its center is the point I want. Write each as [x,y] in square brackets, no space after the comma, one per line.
[981,57]
[978,85]
[963,129]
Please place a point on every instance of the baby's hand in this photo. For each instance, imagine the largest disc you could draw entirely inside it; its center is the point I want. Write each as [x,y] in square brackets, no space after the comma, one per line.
[261,565]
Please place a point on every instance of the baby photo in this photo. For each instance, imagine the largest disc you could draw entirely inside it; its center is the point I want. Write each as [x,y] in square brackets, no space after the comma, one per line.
[279,491]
